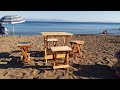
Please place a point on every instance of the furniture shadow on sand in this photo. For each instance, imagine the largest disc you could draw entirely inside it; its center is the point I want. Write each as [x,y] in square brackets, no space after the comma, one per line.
[9,60]
[93,71]
[12,62]
[117,55]
[36,53]
[4,55]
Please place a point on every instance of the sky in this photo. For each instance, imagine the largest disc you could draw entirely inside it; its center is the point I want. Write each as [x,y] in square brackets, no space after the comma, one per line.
[78,16]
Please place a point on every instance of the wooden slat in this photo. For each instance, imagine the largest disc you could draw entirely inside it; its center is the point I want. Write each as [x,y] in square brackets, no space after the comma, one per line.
[52,40]
[24,45]
[78,42]
[51,56]
[56,33]
[61,66]
[61,48]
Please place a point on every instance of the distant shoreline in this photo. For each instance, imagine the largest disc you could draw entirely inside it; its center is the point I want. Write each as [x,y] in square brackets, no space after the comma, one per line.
[73,22]
[73,34]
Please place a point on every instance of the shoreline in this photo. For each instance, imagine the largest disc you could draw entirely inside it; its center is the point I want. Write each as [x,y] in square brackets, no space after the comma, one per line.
[72,33]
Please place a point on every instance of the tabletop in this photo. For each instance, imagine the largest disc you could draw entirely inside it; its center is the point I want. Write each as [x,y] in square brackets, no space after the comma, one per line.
[56,34]
[61,48]
[24,44]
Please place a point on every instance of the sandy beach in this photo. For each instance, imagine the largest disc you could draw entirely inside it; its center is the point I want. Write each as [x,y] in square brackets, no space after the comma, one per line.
[100,53]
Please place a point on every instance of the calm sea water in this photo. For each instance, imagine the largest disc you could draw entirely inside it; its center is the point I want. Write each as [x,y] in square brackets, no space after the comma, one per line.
[35,27]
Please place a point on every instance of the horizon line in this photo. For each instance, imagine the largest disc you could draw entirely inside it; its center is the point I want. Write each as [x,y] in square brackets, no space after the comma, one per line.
[77,21]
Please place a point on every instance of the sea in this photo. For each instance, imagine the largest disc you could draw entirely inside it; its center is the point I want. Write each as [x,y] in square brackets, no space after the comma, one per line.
[29,28]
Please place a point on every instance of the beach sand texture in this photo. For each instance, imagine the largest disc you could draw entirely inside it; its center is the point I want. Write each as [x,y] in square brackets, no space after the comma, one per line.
[100,53]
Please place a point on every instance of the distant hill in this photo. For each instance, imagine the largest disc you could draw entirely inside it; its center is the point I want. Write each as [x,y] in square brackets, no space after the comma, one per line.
[62,20]
[48,20]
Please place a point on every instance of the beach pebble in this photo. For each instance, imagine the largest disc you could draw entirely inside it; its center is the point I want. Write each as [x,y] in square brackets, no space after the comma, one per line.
[81,77]
[9,75]
[26,71]
[17,73]
[99,63]
[2,73]
[28,77]
[35,72]
[50,75]
[114,60]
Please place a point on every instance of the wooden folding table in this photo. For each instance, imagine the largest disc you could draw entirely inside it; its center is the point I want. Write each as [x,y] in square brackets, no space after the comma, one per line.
[46,35]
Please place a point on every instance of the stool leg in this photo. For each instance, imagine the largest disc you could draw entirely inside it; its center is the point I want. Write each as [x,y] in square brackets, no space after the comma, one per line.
[45,60]
[21,58]
[81,47]
[54,60]
[66,62]
[73,48]
[45,55]
[28,57]
[71,51]
[66,58]
[54,43]
[78,50]
[67,71]
[46,44]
